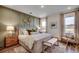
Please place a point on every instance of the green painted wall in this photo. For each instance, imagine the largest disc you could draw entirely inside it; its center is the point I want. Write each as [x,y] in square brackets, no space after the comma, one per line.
[11,17]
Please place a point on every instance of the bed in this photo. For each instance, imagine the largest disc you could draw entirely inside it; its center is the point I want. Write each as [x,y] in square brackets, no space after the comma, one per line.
[37,39]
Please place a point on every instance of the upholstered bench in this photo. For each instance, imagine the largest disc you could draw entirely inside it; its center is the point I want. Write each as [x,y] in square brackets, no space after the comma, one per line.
[50,43]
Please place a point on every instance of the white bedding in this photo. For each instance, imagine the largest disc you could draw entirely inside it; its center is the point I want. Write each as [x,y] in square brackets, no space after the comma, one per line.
[38,38]
[27,40]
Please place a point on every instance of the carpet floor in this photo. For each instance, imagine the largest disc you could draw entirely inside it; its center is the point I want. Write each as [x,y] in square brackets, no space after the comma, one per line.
[61,48]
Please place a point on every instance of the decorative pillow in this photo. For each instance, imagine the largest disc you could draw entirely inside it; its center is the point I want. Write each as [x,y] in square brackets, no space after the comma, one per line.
[23,32]
[29,32]
[34,33]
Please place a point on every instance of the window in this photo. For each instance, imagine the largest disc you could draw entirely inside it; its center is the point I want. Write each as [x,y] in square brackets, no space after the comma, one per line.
[43,25]
[69,25]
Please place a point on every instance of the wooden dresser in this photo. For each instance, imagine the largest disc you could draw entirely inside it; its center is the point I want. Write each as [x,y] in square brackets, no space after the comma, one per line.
[11,40]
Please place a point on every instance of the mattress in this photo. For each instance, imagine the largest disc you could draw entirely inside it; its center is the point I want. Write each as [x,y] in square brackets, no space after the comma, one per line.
[38,39]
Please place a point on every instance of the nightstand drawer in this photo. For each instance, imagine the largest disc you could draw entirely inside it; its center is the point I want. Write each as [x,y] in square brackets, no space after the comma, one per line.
[10,43]
[11,40]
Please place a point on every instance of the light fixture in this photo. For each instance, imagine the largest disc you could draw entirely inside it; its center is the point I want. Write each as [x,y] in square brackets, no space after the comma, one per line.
[42,6]
[69,8]
[10,28]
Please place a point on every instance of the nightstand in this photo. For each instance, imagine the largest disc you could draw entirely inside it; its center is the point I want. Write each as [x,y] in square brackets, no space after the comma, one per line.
[11,40]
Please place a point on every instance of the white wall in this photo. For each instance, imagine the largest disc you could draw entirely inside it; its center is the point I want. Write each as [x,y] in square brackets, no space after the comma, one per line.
[54,19]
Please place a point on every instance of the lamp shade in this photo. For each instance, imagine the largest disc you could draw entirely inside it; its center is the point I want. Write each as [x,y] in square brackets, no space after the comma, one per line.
[10,28]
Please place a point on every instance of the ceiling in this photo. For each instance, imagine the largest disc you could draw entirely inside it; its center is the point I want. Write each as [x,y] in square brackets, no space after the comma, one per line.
[36,10]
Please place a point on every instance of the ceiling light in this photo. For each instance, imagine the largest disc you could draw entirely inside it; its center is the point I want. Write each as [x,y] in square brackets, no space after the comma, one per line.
[42,6]
[69,8]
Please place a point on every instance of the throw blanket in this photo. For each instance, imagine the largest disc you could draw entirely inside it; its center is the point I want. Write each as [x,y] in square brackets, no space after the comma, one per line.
[28,40]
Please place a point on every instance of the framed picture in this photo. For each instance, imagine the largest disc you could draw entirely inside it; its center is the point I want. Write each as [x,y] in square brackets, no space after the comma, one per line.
[53,25]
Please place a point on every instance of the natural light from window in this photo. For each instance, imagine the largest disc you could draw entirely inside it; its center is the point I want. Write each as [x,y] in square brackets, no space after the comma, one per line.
[69,26]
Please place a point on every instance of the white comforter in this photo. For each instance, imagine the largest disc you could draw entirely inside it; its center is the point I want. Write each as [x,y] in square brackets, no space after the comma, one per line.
[27,40]
[38,38]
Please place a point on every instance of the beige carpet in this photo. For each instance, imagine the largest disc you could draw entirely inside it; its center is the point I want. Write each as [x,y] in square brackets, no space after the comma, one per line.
[61,48]
[14,49]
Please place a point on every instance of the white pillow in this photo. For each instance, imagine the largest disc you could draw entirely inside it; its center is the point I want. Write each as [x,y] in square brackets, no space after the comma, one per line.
[34,33]
[23,32]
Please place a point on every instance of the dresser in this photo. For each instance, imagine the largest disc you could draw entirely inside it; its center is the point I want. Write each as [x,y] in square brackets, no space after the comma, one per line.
[11,40]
